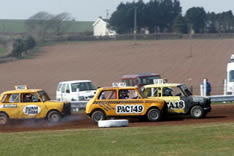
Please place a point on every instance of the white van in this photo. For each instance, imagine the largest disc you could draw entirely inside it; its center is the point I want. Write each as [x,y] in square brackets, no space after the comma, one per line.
[77,90]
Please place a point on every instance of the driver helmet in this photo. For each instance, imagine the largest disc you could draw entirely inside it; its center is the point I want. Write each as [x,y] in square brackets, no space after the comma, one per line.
[124,93]
[167,92]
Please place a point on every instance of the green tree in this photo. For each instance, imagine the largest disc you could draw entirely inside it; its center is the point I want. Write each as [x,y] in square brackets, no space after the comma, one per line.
[156,15]
[196,17]
[39,24]
[180,25]
[61,22]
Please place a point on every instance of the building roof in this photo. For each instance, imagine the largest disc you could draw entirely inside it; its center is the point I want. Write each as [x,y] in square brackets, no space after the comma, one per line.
[100,19]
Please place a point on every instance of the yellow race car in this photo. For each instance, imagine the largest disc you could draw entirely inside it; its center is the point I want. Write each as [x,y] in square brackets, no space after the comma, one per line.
[179,99]
[24,103]
[123,102]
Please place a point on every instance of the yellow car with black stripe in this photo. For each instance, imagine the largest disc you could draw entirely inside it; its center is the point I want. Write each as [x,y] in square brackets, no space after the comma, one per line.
[124,102]
[24,103]
[179,99]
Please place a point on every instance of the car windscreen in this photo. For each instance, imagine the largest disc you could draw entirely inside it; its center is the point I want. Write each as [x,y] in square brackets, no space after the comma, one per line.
[43,95]
[185,90]
[83,86]
[147,80]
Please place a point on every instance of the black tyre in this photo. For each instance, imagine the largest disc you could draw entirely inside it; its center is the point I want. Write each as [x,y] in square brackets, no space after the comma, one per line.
[3,119]
[98,115]
[154,114]
[197,112]
[54,116]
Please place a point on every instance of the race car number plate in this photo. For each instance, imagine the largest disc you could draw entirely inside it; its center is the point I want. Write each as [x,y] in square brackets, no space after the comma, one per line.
[121,109]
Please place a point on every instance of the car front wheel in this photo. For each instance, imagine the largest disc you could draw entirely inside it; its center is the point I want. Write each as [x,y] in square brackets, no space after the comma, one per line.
[154,114]
[197,112]
[54,116]
[97,115]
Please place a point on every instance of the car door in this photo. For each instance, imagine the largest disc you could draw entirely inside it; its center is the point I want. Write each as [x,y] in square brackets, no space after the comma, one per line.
[66,93]
[129,103]
[10,104]
[172,96]
[107,100]
[31,107]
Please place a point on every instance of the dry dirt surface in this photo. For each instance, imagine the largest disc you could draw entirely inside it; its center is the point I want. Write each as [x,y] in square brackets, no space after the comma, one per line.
[105,62]
[219,114]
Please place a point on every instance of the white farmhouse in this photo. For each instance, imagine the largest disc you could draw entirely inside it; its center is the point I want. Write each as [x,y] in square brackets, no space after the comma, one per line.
[100,28]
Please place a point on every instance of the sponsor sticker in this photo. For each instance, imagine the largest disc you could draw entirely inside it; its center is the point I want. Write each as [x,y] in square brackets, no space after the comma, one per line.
[10,106]
[176,104]
[32,110]
[124,109]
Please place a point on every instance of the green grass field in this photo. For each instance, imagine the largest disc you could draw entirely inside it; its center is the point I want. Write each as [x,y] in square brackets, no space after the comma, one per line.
[18,26]
[204,139]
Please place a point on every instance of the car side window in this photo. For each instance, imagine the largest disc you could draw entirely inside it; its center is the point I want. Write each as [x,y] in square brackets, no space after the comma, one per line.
[107,94]
[29,97]
[10,98]
[128,94]
[177,91]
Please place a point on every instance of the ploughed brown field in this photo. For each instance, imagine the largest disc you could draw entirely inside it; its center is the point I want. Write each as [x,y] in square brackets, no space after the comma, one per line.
[106,62]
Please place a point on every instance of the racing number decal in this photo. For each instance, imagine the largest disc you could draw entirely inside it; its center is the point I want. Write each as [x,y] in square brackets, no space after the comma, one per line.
[176,104]
[31,110]
[121,109]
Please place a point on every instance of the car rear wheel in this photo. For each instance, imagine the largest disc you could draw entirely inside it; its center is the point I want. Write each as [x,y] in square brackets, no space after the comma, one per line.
[154,114]
[3,119]
[54,116]
[197,112]
[98,115]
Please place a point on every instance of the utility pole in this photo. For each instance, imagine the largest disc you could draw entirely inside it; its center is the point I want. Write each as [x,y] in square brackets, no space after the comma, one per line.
[135,23]
[107,13]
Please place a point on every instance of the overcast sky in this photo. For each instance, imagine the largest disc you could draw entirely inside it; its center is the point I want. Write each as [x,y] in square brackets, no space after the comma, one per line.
[90,10]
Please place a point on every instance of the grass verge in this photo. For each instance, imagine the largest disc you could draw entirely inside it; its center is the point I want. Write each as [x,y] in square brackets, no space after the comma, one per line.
[205,139]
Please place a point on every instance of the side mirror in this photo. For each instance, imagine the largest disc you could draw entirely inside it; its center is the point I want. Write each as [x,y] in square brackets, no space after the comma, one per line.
[67,91]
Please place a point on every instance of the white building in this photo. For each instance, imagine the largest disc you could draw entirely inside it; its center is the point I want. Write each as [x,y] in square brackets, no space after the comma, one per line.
[100,28]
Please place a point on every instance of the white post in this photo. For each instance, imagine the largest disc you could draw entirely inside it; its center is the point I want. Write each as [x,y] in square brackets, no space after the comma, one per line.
[78,94]
[225,87]
[204,84]
[201,90]
[233,89]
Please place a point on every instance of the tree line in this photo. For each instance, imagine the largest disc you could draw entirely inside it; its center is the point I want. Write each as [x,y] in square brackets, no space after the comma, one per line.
[158,16]
[38,26]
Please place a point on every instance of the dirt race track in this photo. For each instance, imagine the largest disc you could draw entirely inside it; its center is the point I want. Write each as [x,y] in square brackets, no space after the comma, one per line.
[219,114]
[105,62]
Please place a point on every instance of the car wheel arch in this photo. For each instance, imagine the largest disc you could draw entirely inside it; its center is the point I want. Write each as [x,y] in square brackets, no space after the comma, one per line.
[98,109]
[5,114]
[152,108]
[52,111]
